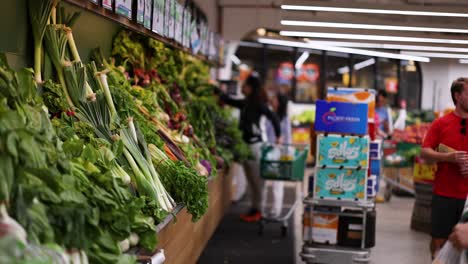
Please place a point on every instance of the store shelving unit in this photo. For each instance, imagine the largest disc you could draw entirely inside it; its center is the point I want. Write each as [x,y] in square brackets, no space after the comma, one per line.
[134,26]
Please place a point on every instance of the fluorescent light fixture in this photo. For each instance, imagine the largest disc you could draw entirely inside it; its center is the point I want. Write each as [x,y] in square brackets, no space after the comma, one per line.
[463,61]
[387,46]
[357,66]
[370,26]
[370,37]
[372,11]
[236,60]
[341,49]
[304,56]
[363,64]
[436,55]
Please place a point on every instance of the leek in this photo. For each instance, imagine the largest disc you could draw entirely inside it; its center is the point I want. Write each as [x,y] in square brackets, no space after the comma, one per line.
[105,86]
[56,43]
[39,13]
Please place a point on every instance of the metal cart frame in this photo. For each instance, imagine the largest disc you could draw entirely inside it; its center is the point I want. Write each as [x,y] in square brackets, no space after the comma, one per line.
[289,167]
[330,254]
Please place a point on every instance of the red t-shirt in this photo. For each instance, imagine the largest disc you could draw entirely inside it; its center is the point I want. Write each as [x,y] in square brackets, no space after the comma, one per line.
[448,181]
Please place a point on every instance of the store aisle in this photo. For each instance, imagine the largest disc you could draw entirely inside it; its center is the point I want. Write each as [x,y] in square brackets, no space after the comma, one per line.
[236,242]
[395,241]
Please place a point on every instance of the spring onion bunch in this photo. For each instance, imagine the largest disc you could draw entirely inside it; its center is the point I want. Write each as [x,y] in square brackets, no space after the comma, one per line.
[39,14]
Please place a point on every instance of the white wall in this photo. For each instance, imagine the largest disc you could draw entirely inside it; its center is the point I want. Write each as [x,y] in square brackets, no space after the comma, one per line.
[437,77]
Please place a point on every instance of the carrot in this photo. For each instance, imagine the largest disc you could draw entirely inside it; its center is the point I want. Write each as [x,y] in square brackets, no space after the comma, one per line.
[169,153]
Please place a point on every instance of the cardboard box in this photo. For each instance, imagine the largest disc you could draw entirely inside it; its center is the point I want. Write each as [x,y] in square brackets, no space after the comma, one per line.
[325,228]
[423,171]
[354,95]
[339,117]
[375,167]
[348,151]
[343,184]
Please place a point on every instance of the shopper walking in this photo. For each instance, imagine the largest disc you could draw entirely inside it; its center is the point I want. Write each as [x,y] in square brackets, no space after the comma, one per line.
[384,113]
[279,105]
[450,186]
[252,108]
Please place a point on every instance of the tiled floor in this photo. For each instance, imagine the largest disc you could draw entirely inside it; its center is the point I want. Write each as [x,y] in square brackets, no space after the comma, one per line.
[396,242]
[236,242]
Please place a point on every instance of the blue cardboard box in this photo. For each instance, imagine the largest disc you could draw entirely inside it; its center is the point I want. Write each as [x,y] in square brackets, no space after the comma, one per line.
[375,167]
[339,117]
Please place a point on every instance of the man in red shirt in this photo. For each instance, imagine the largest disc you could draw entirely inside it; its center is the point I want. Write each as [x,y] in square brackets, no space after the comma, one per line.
[450,186]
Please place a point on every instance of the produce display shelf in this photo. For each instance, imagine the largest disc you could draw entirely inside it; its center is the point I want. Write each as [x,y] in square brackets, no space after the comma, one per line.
[182,240]
[133,26]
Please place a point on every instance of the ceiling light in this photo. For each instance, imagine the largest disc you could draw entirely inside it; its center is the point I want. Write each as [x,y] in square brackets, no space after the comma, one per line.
[463,61]
[372,11]
[363,64]
[304,56]
[261,32]
[370,26]
[341,49]
[370,37]
[357,66]
[436,55]
[388,46]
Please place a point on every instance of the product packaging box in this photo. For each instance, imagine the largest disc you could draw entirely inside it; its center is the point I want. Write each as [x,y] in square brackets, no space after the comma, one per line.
[325,228]
[124,8]
[178,19]
[195,42]
[348,151]
[158,16]
[354,95]
[375,167]
[342,184]
[108,4]
[148,12]
[376,149]
[343,118]
[186,28]
[140,14]
[169,19]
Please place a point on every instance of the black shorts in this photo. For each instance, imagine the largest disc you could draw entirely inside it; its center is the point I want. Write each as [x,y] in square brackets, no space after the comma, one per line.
[446,213]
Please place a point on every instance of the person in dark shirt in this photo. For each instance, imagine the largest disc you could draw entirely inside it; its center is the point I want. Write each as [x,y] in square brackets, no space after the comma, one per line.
[251,110]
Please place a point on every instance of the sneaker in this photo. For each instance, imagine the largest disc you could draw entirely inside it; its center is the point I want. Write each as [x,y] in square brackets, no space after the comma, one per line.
[252,216]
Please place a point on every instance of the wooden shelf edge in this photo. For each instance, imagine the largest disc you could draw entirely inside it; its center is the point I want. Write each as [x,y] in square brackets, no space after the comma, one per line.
[183,241]
[133,26]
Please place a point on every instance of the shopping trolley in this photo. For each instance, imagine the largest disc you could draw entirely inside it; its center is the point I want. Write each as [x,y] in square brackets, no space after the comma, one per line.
[284,162]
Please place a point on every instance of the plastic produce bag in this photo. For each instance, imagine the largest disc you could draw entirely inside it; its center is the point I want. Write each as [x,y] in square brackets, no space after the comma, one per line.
[238,180]
[450,255]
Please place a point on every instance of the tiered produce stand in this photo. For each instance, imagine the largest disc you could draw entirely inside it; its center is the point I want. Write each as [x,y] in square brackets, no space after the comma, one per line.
[119,159]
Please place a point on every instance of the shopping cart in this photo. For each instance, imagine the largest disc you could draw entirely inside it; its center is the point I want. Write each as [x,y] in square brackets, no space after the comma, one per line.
[285,162]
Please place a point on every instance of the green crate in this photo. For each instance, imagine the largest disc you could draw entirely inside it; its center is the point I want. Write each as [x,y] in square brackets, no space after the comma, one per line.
[283,170]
